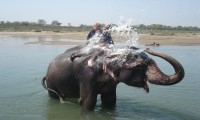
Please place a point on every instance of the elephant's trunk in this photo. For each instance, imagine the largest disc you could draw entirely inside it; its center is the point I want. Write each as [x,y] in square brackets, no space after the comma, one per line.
[156,76]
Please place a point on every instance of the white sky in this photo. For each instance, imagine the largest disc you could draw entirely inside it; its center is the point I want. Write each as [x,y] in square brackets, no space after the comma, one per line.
[76,12]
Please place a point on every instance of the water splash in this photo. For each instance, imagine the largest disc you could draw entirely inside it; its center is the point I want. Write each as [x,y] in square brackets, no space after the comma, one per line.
[97,42]
[125,28]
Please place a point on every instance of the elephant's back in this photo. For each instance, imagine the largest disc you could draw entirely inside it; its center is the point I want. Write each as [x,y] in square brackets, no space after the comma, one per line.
[63,61]
[59,64]
[64,58]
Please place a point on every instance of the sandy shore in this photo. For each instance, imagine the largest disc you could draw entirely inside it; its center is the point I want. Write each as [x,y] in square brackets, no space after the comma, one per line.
[177,39]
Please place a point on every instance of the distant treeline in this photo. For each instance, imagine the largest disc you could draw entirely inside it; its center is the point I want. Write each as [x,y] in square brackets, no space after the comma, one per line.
[41,25]
[165,30]
[165,27]
[55,26]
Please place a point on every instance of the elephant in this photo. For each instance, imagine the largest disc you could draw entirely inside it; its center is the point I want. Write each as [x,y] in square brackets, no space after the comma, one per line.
[84,76]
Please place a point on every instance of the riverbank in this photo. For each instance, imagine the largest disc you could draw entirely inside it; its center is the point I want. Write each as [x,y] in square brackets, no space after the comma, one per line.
[188,39]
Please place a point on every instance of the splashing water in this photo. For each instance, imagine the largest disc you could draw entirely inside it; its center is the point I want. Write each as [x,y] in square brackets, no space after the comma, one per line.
[125,28]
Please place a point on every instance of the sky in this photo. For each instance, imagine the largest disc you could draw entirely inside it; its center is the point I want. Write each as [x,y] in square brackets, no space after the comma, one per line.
[87,12]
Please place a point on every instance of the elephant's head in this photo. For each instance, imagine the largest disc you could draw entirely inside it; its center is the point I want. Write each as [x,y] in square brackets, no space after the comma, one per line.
[137,68]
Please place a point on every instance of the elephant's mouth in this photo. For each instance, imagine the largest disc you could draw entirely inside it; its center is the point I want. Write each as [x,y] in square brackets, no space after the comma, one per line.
[135,79]
[141,84]
[140,80]
[146,87]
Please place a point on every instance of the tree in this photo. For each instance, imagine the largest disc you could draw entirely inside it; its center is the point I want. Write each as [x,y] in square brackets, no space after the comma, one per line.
[141,26]
[55,23]
[25,23]
[179,27]
[2,22]
[42,22]
[81,26]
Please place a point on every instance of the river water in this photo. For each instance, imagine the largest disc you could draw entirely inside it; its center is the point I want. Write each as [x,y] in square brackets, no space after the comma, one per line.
[22,97]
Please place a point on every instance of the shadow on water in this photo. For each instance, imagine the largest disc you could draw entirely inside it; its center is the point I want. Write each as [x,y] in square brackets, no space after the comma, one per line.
[124,110]
[72,111]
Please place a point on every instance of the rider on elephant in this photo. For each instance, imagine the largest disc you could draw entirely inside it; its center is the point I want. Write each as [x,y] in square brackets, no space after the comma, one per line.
[99,42]
[98,36]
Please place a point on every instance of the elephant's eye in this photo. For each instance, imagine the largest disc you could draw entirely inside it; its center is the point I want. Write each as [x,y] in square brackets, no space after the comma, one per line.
[144,56]
[129,56]
[136,56]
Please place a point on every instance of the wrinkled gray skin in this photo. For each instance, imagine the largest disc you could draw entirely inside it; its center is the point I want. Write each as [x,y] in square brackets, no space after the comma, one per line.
[68,78]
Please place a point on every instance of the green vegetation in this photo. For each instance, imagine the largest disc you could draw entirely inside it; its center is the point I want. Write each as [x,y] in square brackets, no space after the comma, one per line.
[158,29]
[55,26]
[41,25]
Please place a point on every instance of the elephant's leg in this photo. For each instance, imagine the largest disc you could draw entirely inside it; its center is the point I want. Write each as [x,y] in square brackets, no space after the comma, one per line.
[108,99]
[88,94]
[89,102]
[87,99]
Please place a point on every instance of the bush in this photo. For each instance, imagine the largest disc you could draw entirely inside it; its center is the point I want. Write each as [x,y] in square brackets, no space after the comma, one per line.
[152,33]
[56,31]
[37,31]
[194,34]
